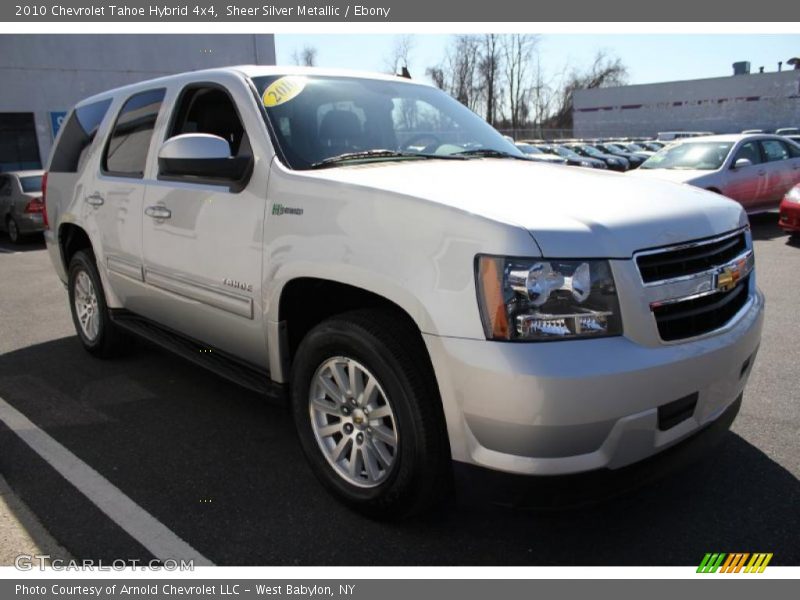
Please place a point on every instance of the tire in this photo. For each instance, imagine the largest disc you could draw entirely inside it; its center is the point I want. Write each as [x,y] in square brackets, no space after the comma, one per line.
[376,345]
[97,334]
[13,231]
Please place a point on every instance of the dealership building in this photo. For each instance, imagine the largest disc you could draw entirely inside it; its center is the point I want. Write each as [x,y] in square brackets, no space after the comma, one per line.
[44,75]
[745,100]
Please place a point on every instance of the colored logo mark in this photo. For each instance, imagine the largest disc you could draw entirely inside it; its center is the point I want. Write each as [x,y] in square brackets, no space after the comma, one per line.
[735,562]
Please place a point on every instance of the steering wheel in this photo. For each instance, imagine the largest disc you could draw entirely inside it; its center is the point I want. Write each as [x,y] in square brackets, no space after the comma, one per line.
[434,141]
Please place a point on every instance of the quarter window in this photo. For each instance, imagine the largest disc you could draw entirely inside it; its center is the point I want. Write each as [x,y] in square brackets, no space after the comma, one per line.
[126,151]
[77,136]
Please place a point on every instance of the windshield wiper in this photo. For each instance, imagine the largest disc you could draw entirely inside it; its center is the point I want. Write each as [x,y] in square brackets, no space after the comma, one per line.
[374,154]
[489,153]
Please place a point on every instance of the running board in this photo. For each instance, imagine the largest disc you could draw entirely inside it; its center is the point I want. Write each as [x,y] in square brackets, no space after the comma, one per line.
[217,361]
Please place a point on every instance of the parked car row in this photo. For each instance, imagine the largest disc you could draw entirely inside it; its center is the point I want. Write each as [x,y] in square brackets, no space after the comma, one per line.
[617,154]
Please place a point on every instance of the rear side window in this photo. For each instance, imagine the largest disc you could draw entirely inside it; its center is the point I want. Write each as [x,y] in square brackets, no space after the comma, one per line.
[126,151]
[774,150]
[76,139]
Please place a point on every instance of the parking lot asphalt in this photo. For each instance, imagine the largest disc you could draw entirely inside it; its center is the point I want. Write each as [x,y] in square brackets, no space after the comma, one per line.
[222,469]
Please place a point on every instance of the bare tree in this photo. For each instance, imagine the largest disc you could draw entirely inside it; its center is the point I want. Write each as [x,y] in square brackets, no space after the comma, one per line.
[400,55]
[462,63]
[517,49]
[437,76]
[541,94]
[307,57]
[489,73]
[605,71]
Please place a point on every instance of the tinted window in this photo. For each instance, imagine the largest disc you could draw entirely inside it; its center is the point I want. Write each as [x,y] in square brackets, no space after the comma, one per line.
[31,184]
[126,151]
[774,150]
[5,188]
[77,136]
[749,151]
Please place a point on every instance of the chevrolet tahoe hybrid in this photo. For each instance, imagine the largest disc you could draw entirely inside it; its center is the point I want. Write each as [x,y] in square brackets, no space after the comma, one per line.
[422,294]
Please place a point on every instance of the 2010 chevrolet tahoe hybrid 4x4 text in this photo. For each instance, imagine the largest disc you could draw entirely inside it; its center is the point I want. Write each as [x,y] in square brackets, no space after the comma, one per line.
[422,292]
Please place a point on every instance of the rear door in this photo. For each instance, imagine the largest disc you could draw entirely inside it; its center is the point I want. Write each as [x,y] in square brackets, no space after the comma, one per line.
[780,172]
[746,185]
[202,240]
[116,195]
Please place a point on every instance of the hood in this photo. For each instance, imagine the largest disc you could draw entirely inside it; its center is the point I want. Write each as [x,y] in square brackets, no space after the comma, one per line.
[570,212]
[676,175]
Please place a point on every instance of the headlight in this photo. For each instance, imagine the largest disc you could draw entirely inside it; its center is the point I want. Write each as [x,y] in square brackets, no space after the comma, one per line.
[586,163]
[794,194]
[538,299]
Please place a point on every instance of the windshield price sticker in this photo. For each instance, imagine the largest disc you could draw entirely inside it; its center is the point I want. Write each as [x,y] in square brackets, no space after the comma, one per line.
[282,90]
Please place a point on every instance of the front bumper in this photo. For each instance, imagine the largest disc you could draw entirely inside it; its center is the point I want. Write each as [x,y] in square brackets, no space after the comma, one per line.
[789,216]
[566,407]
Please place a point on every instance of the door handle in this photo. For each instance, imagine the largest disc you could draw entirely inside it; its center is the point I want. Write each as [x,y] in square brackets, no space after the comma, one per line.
[761,172]
[95,199]
[158,212]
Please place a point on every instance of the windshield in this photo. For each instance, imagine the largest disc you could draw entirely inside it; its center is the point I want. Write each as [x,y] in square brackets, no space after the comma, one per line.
[591,150]
[566,152]
[635,148]
[318,118]
[528,149]
[31,184]
[701,156]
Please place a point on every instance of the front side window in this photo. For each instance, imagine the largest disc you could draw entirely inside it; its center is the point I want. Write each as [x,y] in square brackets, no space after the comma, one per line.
[129,142]
[318,118]
[749,151]
[209,109]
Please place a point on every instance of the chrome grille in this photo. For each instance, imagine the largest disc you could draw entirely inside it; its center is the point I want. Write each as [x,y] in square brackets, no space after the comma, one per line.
[698,287]
[688,259]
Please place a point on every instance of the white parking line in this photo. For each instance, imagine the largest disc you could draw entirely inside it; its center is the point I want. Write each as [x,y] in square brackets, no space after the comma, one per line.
[132,518]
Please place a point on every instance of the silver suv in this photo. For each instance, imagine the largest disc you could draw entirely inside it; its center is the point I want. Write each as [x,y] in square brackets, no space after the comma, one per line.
[422,294]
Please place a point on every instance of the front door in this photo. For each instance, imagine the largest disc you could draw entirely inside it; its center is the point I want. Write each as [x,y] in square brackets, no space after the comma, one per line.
[746,184]
[202,240]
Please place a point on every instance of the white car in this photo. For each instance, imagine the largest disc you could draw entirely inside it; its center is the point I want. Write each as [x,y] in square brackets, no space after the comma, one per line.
[756,170]
[426,299]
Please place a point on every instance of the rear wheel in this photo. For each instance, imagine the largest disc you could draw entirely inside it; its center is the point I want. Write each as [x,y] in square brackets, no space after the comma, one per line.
[96,331]
[368,414]
[13,231]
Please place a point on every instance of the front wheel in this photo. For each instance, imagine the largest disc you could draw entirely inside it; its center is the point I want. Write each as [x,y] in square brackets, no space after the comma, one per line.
[368,414]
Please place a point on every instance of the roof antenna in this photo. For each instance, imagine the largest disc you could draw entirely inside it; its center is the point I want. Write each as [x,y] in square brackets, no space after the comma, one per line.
[404,73]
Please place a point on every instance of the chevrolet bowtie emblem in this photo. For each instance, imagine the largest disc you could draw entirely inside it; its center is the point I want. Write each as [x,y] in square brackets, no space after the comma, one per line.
[729,276]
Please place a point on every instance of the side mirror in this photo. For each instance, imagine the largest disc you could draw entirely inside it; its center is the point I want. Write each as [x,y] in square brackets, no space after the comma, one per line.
[742,163]
[201,155]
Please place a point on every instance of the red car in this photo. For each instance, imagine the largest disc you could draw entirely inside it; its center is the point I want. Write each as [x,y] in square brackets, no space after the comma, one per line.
[789,219]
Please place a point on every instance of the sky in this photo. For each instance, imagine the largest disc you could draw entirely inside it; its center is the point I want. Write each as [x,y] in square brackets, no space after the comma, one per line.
[649,58]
